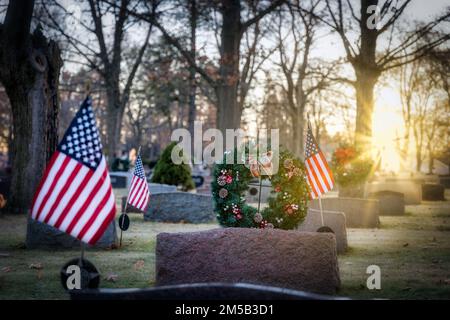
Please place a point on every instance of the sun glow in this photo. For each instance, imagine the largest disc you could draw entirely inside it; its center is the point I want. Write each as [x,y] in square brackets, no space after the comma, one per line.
[387,128]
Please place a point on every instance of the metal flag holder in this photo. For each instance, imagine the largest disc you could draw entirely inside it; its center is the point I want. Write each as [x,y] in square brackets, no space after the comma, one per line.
[89,277]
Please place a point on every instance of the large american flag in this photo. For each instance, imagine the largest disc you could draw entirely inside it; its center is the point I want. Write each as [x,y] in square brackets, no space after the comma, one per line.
[75,193]
[139,194]
[318,173]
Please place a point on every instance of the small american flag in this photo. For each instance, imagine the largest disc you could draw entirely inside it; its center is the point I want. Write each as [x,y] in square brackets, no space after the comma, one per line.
[319,176]
[139,194]
[75,193]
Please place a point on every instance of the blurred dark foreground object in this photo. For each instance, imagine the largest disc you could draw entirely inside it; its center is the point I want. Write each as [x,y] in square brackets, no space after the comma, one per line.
[200,291]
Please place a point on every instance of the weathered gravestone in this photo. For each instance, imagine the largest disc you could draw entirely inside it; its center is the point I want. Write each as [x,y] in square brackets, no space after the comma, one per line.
[359,213]
[154,188]
[433,192]
[180,207]
[120,179]
[391,203]
[445,181]
[40,235]
[410,188]
[333,219]
[289,259]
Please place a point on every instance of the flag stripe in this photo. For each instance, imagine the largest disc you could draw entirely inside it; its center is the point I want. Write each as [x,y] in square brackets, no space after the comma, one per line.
[48,169]
[314,177]
[73,199]
[83,206]
[312,183]
[66,186]
[132,185]
[94,201]
[324,171]
[42,192]
[330,174]
[321,174]
[141,196]
[105,223]
[85,226]
[57,189]
[103,214]
[49,193]
[68,197]
[139,184]
[82,197]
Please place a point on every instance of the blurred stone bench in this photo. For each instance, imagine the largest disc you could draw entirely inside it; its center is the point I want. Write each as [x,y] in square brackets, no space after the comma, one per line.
[180,207]
[391,203]
[305,261]
[333,219]
[200,291]
[433,192]
[359,213]
[411,189]
[40,235]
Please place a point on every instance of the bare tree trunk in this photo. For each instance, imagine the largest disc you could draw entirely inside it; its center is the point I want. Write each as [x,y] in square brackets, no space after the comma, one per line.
[364,87]
[229,112]
[29,71]
[192,114]
[430,159]
[114,116]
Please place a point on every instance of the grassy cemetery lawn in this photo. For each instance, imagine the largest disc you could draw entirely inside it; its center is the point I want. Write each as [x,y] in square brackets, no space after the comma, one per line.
[412,251]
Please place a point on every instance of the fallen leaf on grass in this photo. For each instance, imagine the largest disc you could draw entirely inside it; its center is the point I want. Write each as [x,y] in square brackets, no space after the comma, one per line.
[139,265]
[111,277]
[37,266]
[6,269]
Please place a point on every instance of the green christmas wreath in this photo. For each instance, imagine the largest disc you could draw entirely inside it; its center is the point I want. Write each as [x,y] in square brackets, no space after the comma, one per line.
[287,205]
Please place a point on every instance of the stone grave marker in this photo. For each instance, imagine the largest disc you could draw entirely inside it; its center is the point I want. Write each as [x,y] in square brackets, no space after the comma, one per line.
[391,203]
[433,192]
[289,259]
[359,213]
[333,219]
[180,207]
[411,189]
[40,235]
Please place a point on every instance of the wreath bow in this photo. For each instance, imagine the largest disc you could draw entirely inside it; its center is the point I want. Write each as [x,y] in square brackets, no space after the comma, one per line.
[261,166]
